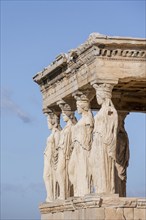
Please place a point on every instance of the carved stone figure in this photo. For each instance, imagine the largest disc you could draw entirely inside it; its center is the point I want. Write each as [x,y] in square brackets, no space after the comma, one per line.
[103,152]
[122,154]
[82,140]
[65,150]
[50,156]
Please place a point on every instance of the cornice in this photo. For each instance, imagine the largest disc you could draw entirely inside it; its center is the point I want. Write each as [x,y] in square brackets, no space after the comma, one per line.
[97,45]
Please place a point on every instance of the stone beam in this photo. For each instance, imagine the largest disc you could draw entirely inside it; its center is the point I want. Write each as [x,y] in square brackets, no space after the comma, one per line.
[104,59]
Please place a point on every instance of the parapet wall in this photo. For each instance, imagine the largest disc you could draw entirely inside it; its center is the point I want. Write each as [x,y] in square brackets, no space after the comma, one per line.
[95,207]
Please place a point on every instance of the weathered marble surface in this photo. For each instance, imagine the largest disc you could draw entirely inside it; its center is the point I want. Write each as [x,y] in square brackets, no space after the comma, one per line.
[51,156]
[103,58]
[103,150]
[122,154]
[82,140]
[95,207]
[87,151]
[65,151]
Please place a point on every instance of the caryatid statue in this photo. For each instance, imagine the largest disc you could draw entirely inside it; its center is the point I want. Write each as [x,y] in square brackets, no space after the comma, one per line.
[103,151]
[122,154]
[50,155]
[65,150]
[82,140]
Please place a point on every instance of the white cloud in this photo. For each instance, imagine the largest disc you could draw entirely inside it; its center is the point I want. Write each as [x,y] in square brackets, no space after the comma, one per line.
[9,105]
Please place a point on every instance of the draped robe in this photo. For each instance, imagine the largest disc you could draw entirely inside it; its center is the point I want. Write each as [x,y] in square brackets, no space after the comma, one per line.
[50,161]
[103,151]
[78,164]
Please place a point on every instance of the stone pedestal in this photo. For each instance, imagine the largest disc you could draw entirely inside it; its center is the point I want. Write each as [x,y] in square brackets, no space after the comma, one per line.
[95,207]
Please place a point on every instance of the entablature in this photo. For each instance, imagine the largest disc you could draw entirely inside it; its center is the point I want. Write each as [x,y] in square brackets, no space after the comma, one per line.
[100,58]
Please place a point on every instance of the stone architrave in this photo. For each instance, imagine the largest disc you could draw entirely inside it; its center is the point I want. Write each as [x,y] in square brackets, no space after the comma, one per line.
[103,151]
[82,140]
[122,154]
[51,155]
[65,150]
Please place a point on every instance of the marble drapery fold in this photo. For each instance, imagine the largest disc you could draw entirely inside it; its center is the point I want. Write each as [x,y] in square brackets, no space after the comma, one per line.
[65,150]
[103,151]
[82,140]
[51,156]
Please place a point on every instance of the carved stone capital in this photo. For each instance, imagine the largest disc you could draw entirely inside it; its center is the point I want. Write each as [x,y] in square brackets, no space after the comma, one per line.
[105,81]
[103,89]
[53,116]
[67,110]
[85,96]
[64,106]
[51,111]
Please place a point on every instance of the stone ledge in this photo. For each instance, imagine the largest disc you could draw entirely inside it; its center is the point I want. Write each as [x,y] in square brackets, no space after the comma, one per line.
[92,201]
[71,204]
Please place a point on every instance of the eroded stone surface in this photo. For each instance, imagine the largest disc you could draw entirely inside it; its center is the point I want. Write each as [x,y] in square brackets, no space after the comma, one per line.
[139,214]
[103,151]
[94,207]
[105,59]
[50,156]
[94,213]
[141,203]
[129,213]
[122,154]
[114,214]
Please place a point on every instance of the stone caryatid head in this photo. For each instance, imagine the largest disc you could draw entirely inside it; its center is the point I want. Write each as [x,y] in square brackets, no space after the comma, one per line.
[103,92]
[67,112]
[53,119]
[83,101]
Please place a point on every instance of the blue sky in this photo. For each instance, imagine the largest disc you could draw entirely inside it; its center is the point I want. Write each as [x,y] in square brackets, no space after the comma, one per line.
[33,33]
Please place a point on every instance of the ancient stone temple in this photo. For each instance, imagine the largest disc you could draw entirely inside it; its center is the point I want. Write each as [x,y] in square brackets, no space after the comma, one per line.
[85,162]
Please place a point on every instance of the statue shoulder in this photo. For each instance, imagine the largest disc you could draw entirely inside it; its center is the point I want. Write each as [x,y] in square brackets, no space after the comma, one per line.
[50,138]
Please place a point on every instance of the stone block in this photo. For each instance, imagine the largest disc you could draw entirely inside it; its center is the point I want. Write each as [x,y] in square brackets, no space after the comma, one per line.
[139,214]
[95,208]
[141,204]
[129,213]
[57,216]
[47,216]
[71,215]
[94,213]
[114,214]
[81,214]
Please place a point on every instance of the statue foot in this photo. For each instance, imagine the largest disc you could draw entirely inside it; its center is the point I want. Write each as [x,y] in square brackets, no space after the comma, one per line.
[49,200]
